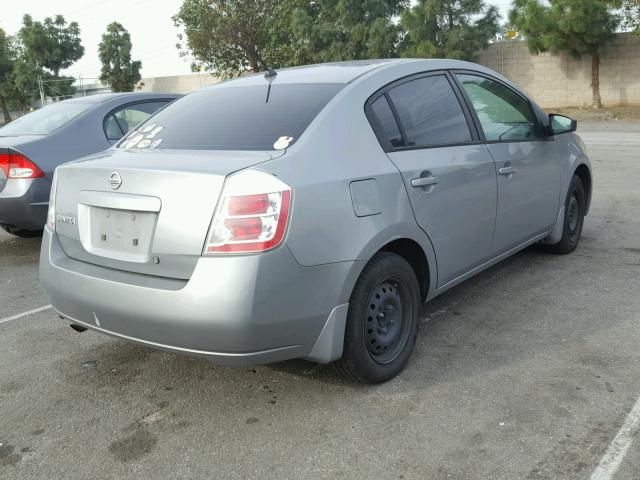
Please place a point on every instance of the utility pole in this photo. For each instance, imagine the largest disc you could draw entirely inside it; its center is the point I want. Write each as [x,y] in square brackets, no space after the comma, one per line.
[502,45]
[41,88]
[510,34]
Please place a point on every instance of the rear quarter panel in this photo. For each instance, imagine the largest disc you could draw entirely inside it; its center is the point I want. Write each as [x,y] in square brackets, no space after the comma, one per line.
[340,147]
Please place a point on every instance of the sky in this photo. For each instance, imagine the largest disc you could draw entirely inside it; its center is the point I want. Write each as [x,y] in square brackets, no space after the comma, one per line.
[153,33]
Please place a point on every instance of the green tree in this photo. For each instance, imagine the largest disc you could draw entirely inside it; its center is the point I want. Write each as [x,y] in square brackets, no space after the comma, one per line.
[52,44]
[7,84]
[448,28]
[25,76]
[631,13]
[578,27]
[20,77]
[230,37]
[15,91]
[333,30]
[115,54]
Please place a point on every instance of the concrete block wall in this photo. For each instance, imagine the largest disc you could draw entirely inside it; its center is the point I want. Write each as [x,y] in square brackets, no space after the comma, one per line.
[178,83]
[562,81]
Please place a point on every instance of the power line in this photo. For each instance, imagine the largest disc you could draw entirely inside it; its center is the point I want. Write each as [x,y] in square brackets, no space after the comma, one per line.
[86,7]
[148,53]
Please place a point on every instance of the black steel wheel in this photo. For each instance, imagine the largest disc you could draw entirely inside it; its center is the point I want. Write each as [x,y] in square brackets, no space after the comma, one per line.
[382,322]
[574,211]
[386,329]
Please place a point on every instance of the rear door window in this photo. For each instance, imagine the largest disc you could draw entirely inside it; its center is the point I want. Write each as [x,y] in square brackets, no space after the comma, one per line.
[239,118]
[119,123]
[385,123]
[429,112]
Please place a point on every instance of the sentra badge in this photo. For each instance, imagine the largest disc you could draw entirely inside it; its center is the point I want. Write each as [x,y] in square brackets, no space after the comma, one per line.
[65,219]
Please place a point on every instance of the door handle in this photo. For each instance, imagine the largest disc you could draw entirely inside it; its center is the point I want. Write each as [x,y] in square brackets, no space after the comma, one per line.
[424,182]
[507,170]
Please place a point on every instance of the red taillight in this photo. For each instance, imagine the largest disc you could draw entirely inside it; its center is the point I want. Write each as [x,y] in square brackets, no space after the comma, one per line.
[249,204]
[251,233]
[16,165]
[243,229]
[251,216]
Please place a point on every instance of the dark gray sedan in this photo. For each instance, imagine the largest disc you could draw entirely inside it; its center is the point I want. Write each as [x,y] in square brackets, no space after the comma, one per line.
[32,146]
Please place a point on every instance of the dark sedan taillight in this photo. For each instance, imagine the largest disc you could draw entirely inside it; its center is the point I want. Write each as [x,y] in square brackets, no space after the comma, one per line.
[16,165]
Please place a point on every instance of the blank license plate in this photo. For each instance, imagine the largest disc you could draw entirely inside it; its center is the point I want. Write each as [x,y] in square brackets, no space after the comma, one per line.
[122,234]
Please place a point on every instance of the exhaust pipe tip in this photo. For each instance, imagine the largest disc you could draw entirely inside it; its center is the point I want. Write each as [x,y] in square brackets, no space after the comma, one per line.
[78,328]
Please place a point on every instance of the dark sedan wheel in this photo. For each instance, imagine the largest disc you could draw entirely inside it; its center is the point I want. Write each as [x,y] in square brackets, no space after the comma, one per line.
[574,211]
[22,233]
[382,322]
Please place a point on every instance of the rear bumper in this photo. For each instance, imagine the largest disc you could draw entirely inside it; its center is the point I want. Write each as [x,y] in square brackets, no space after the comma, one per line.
[234,310]
[24,203]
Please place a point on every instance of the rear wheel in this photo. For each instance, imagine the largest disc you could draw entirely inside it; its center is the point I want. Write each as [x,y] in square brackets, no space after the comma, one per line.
[574,210]
[22,233]
[382,322]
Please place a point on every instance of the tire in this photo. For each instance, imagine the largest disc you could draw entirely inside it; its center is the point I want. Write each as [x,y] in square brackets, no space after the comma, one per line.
[574,209]
[22,233]
[382,320]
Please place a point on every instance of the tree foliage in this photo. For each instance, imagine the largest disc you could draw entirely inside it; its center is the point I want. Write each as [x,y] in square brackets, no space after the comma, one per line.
[578,27]
[631,13]
[335,30]
[7,84]
[232,36]
[18,81]
[448,28]
[40,51]
[118,70]
[52,44]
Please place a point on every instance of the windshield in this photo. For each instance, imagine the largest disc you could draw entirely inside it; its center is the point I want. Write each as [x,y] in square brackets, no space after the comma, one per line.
[235,118]
[46,120]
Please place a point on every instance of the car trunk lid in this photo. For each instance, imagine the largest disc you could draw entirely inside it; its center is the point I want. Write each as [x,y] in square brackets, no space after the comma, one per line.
[144,211]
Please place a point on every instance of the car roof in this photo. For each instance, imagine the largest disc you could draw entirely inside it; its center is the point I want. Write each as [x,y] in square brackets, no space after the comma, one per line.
[106,97]
[335,72]
[344,72]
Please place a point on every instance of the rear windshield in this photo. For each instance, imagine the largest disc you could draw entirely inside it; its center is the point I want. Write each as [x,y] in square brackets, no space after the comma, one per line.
[46,120]
[235,118]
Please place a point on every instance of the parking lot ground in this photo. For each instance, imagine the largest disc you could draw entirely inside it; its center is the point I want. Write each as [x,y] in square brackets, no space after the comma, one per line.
[527,371]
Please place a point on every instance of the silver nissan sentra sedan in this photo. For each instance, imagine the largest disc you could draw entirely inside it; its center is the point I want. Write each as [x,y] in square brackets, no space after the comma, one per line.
[307,213]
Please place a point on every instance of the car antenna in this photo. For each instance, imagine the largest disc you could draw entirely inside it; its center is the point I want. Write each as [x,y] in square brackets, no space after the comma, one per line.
[270,74]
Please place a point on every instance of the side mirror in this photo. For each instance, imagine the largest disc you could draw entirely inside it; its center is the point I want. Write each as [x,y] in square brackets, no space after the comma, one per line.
[560,124]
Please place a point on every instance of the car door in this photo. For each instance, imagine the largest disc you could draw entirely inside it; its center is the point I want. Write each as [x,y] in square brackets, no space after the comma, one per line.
[450,177]
[526,160]
[120,121]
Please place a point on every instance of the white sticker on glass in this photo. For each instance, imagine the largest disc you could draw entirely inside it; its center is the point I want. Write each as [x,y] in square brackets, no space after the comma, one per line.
[132,143]
[148,128]
[282,143]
